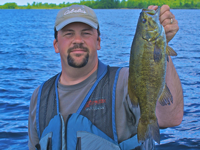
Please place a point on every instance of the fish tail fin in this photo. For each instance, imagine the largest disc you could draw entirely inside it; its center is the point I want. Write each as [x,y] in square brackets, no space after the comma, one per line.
[147,131]
[166,97]
[170,51]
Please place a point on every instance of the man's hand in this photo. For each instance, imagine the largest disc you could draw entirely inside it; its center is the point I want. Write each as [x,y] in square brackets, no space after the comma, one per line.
[167,19]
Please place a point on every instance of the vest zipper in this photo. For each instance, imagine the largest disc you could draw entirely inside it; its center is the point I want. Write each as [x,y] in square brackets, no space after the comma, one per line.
[66,129]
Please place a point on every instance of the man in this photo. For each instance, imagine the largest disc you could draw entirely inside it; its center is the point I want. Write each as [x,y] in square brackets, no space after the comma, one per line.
[87,106]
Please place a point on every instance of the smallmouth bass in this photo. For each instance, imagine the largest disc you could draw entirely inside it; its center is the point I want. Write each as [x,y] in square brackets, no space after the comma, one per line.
[147,71]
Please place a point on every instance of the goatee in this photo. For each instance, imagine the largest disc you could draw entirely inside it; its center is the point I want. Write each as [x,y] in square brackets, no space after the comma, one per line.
[71,61]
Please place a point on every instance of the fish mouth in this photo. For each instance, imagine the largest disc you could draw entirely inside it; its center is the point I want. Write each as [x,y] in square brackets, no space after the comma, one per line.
[149,11]
[152,12]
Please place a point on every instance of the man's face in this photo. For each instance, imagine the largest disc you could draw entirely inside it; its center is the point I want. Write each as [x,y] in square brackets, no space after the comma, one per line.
[77,44]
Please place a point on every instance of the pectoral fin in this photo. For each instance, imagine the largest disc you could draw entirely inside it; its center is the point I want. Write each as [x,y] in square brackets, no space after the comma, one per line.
[166,97]
[157,55]
[170,51]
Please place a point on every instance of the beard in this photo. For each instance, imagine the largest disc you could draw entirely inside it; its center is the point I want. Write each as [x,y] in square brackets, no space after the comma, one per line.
[71,60]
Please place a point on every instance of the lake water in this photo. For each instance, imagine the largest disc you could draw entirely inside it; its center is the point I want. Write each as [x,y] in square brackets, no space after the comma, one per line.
[27,58]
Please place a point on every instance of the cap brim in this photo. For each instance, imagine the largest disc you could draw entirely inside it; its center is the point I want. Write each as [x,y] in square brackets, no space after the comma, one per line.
[76,19]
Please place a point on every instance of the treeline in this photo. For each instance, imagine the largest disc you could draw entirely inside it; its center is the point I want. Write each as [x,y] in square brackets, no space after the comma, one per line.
[110,4]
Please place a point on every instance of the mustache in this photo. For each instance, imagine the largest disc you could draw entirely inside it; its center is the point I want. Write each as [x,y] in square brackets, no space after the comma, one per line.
[78,46]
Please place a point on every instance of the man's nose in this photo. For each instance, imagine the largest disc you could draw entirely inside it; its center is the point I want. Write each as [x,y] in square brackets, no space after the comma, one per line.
[78,39]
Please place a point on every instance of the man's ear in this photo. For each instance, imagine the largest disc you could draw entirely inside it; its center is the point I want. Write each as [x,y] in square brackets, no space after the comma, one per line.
[99,43]
[55,45]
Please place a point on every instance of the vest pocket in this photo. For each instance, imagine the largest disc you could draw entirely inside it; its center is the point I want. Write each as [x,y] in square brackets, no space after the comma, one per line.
[87,140]
[45,142]
[53,136]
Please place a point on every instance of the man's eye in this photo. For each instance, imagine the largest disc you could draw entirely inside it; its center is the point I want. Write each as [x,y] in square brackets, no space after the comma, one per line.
[86,33]
[68,33]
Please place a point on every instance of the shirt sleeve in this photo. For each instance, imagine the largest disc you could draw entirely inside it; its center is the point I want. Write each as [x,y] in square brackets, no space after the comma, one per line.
[32,130]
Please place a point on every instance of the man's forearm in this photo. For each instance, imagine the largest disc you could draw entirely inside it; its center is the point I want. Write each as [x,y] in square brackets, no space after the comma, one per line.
[171,115]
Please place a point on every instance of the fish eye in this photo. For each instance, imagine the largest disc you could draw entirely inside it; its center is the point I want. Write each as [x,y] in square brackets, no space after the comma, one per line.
[144,20]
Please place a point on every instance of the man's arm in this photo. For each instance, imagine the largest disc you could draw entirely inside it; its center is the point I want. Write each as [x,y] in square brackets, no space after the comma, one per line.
[170,115]
[32,131]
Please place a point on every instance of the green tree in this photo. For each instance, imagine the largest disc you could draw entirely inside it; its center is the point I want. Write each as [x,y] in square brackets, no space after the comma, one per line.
[116,3]
[130,4]
[39,4]
[28,6]
[142,5]
[123,4]
[10,6]
[187,5]
[46,5]
[192,3]
[198,5]
[33,4]
[62,4]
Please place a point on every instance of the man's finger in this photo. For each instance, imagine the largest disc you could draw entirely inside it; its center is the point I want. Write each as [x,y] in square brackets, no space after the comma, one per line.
[171,30]
[166,15]
[168,22]
[153,7]
[164,8]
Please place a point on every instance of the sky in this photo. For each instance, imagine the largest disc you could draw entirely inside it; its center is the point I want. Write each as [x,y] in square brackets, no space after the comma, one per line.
[24,2]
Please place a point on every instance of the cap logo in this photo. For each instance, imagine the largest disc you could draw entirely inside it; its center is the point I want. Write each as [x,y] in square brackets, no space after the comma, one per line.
[74,11]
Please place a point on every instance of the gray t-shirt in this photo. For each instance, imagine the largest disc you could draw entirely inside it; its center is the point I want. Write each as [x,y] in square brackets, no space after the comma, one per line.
[70,97]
